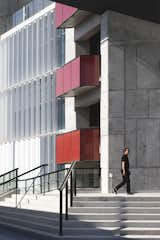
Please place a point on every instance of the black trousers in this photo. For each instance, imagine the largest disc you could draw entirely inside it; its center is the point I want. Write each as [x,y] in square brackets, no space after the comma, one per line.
[125,180]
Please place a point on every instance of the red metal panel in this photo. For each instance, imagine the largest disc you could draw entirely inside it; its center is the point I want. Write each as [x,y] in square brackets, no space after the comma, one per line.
[78,145]
[59,81]
[96,142]
[89,70]
[58,14]
[68,12]
[67,77]
[67,150]
[76,73]
[75,145]
[86,145]
[59,149]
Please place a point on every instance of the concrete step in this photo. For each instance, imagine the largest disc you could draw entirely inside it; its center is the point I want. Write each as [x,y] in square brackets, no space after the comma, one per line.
[94,210]
[115,204]
[140,231]
[141,223]
[96,204]
[50,230]
[140,216]
[94,216]
[127,198]
[150,210]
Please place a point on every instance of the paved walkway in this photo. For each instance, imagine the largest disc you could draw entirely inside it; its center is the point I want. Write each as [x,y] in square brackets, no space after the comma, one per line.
[7,234]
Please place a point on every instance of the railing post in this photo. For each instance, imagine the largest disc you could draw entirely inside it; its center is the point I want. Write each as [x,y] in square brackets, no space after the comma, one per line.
[3,183]
[44,180]
[57,180]
[61,214]
[41,185]
[67,200]
[71,190]
[16,185]
[25,186]
[33,186]
[75,183]
[48,182]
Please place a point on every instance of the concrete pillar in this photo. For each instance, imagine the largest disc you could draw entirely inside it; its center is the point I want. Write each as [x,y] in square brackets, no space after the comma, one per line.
[70,114]
[104,107]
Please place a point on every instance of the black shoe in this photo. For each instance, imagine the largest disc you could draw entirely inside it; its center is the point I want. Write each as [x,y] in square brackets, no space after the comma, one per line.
[115,190]
[130,193]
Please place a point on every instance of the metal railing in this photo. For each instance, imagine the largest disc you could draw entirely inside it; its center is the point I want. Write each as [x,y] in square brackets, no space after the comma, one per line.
[57,180]
[26,188]
[8,181]
[61,188]
[47,182]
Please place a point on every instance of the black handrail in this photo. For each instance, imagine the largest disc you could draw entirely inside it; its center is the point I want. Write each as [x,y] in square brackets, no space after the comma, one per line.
[43,165]
[10,180]
[61,188]
[27,179]
[8,172]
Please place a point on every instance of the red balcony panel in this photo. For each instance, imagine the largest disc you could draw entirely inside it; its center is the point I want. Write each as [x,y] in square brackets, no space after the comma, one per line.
[75,145]
[67,147]
[67,80]
[86,145]
[96,137]
[78,145]
[82,72]
[67,16]
[89,70]
[59,149]
[58,14]
[63,13]
[76,73]
[59,82]
[68,11]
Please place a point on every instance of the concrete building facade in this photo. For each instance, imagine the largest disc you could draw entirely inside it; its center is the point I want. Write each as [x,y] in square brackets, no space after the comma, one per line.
[82,85]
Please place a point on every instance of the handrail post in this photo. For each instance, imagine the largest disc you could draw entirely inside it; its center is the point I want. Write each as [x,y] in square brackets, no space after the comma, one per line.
[71,190]
[57,180]
[3,183]
[44,180]
[48,182]
[61,214]
[25,186]
[75,182]
[16,185]
[41,185]
[33,186]
[67,200]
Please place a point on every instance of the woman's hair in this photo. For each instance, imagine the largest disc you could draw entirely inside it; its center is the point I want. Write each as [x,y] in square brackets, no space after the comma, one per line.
[126,148]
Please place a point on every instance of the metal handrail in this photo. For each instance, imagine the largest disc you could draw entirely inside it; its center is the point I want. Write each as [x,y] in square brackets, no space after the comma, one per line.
[27,179]
[2,175]
[10,180]
[25,173]
[61,188]
[42,165]
[26,191]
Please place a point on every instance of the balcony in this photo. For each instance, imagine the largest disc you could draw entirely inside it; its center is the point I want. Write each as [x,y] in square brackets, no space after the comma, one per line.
[81,145]
[77,76]
[68,17]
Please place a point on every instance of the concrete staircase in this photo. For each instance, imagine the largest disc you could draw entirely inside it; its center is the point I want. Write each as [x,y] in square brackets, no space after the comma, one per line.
[92,216]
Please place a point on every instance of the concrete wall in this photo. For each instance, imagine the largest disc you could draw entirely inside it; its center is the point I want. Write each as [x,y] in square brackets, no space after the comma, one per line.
[134,99]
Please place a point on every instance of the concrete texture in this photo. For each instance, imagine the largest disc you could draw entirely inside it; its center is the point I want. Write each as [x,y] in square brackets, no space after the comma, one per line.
[134,98]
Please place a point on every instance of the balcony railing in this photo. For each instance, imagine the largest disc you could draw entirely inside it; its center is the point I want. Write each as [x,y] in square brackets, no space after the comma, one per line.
[82,72]
[67,16]
[82,145]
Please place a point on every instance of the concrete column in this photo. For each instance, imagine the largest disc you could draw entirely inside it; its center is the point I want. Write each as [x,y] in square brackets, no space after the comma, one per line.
[70,48]
[104,107]
[70,114]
